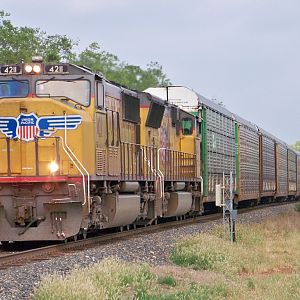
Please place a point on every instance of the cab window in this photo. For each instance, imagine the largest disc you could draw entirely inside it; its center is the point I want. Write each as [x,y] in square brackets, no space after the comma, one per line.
[100,95]
[77,90]
[187,126]
[14,89]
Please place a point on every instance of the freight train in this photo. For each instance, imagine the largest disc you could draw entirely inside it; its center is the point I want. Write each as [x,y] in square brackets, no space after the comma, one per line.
[80,153]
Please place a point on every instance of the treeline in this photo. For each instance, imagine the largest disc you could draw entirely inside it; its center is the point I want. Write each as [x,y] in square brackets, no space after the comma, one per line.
[296,146]
[21,43]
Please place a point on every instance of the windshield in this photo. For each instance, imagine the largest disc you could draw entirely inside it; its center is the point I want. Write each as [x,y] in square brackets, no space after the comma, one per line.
[14,89]
[76,90]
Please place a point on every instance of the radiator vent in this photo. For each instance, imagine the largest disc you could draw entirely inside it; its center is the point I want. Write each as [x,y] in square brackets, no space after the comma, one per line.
[101,161]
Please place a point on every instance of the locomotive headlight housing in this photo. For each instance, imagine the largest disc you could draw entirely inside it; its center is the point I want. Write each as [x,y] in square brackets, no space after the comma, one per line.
[33,68]
[48,187]
[53,167]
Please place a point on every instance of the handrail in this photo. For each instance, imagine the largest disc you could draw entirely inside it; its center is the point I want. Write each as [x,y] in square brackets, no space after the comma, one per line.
[148,161]
[170,170]
[70,153]
[201,180]
[76,165]
[161,175]
[86,198]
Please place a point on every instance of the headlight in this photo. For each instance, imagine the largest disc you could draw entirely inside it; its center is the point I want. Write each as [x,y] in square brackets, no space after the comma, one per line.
[53,167]
[36,68]
[28,68]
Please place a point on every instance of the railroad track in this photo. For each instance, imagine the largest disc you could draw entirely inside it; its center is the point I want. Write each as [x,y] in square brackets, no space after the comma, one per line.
[58,250]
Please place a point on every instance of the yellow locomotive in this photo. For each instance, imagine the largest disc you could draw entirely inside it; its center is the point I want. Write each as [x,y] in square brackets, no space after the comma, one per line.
[79,153]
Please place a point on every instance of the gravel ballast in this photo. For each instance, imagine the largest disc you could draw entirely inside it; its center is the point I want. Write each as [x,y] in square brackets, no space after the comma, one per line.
[154,248]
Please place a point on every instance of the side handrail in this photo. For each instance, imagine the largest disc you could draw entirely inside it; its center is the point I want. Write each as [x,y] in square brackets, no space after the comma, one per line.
[154,172]
[161,175]
[70,153]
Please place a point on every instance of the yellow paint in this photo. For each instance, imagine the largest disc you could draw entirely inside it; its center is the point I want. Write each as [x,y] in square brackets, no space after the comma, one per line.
[23,155]
[83,141]
[187,143]
[149,136]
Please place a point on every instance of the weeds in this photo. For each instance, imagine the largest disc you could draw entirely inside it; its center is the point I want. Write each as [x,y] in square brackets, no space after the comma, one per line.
[264,263]
[297,207]
[250,284]
[167,280]
[195,292]
[113,279]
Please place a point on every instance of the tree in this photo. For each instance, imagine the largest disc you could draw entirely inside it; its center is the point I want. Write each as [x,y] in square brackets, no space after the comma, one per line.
[296,146]
[134,77]
[21,43]
[57,48]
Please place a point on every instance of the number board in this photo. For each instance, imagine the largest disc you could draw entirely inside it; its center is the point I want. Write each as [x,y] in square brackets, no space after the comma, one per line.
[56,69]
[10,70]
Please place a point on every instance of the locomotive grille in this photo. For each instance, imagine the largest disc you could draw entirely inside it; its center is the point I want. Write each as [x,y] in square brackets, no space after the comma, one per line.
[114,161]
[101,161]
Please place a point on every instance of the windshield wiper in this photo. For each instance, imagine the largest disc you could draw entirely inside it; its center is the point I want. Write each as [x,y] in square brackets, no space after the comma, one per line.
[45,81]
[68,99]
[22,81]
[61,97]
[71,80]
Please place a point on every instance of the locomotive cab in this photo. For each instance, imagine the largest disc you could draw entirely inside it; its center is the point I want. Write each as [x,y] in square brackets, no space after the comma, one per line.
[44,122]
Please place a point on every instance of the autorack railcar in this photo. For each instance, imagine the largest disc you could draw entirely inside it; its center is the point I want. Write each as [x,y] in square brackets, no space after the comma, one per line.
[248,167]
[263,167]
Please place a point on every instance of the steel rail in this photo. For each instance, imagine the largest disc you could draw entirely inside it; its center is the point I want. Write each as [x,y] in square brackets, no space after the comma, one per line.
[57,250]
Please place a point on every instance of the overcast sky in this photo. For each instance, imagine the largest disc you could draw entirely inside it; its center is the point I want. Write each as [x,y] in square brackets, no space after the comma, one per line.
[245,53]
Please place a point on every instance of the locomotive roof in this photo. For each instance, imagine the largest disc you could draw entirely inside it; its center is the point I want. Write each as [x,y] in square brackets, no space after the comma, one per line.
[146,97]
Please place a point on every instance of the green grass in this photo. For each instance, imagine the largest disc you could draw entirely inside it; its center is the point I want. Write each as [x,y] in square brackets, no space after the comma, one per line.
[113,279]
[167,280]
[106,280]
[264,263]
[297,207]
[195,292]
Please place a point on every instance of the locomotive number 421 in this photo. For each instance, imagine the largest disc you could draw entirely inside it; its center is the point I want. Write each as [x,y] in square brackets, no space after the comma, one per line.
[56,69]
[6,70]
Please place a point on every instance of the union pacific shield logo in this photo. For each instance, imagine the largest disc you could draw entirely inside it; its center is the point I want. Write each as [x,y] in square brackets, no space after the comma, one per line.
[28,126]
